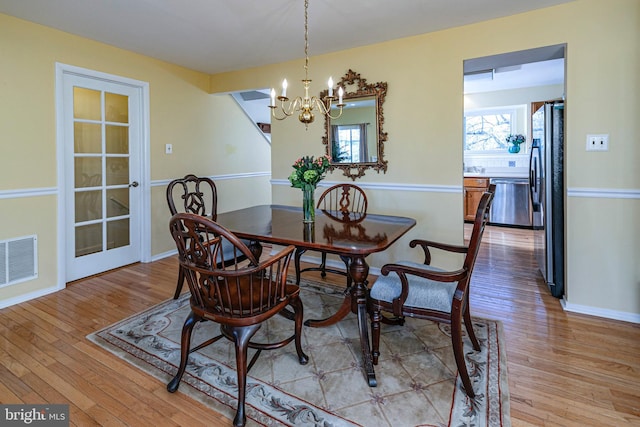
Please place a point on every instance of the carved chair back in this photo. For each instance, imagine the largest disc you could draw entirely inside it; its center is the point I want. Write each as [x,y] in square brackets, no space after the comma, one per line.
[346,200]
[193,194]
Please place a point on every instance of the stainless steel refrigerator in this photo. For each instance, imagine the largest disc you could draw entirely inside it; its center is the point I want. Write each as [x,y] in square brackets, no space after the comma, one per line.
[546,186]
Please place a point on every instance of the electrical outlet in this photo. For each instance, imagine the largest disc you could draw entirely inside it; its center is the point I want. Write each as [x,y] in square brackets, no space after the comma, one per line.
[598,142]
[168,149]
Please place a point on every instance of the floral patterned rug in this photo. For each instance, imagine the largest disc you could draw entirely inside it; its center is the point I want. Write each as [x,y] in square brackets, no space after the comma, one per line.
[417,381]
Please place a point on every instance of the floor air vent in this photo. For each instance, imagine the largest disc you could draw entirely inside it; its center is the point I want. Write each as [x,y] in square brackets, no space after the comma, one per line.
[18,260]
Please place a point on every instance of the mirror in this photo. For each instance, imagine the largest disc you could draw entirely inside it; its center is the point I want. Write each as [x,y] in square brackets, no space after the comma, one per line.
[355,140]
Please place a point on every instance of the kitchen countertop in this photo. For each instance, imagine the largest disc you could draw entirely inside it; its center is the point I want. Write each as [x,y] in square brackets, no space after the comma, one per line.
[499,173]
[495,175]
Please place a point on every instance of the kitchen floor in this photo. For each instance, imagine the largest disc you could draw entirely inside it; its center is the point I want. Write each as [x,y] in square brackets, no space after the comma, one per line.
[520,238]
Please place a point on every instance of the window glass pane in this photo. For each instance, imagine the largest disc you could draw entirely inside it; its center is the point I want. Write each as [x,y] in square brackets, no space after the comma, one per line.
[117,170]
[117,233]
[117,202]
[86,104]
[487,131]
[88,239]
[87,137]
[88,205]
[117,139]
[88,171]
[349,143]
[116,107]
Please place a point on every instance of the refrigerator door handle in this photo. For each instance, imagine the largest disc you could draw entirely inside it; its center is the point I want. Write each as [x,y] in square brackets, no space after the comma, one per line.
[531,170]
[533,174]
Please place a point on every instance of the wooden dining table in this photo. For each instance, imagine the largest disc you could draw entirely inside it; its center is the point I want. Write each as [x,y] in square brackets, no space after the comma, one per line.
[353,236]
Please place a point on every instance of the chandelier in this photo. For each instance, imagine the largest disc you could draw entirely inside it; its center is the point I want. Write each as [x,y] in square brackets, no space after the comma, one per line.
[305,105]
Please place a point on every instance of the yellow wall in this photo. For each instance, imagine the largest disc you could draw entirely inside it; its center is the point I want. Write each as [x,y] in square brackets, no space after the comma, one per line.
[210,136]
[423,116]
[26,216]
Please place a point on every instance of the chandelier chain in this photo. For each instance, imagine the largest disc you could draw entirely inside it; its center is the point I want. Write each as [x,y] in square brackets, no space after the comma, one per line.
[305,105]
[306,40]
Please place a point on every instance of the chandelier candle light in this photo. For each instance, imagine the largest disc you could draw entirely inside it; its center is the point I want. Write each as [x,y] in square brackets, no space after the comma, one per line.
[305,105]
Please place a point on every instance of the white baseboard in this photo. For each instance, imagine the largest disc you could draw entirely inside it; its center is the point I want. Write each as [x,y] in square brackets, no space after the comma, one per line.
[163,255]
[29,296]
[600,312]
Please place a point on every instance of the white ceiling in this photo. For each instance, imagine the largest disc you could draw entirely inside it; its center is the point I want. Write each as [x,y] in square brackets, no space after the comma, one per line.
[215,36]
[524,75]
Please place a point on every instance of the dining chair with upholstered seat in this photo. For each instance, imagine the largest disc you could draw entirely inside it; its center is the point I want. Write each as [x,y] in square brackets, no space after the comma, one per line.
[240,295]
[421,291]
[196,195]
[345,202]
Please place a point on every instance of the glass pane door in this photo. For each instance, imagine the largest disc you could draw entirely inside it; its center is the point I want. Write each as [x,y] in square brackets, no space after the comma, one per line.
[101,170]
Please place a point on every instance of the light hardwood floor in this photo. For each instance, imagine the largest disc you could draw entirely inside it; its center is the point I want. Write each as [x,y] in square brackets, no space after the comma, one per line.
[564,369]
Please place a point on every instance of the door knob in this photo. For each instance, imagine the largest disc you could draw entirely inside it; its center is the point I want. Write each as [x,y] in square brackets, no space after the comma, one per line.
[134,184]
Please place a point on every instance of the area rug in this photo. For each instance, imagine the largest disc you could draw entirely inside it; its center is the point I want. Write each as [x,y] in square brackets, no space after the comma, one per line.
[417,376]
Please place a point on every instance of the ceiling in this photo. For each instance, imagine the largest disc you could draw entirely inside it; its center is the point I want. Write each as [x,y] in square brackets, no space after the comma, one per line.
[518,76]
[526,68]
[214,36]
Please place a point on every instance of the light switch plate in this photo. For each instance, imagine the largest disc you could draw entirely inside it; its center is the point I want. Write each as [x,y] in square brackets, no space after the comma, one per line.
[598,142]
[168,149]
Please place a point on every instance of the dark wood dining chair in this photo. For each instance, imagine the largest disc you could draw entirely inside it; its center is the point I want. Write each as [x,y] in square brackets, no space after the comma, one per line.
[239,296]
[344,202]
[192,194]
[421,291]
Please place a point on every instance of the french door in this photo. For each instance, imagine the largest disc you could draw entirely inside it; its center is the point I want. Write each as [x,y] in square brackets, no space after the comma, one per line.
[102,158]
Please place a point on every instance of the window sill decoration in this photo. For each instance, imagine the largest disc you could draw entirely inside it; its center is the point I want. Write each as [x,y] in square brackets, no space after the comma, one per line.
[514,142]
[306,175]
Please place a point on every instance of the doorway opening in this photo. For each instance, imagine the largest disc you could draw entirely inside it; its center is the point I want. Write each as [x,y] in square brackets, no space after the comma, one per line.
[501,96]
[255,104]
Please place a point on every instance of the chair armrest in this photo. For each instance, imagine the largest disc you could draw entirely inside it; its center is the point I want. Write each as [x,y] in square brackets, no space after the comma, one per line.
[284,254]
[438,276]
[425,244]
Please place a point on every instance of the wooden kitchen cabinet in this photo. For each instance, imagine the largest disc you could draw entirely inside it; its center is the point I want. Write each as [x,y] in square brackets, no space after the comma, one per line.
[473,190]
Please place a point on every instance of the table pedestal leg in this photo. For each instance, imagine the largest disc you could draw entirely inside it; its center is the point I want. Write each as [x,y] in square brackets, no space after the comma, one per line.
[256,248]
[355,301]
[359,271]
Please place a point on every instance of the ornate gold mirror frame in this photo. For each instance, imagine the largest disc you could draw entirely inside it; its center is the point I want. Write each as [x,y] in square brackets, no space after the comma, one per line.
[361,94]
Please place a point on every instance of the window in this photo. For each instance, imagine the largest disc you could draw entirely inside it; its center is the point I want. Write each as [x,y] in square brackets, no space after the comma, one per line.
[487,130]
[349,145]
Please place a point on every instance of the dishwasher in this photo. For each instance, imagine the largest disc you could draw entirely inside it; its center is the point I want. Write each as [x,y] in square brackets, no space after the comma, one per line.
[511,203]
